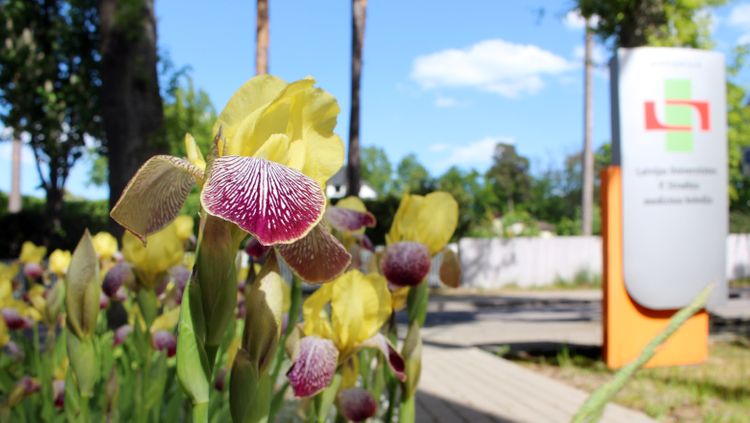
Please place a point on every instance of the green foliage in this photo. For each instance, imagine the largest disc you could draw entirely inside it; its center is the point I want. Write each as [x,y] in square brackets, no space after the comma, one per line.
[509,176]
[376,169]
[413,177]
[633,23]
[188,110]
[738,119]
[75,217]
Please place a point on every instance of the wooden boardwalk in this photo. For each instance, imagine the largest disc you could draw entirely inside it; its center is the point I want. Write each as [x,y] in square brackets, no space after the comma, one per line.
[467,384]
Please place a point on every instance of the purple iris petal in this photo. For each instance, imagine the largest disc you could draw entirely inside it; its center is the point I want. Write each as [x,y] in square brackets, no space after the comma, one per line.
[318,257]
[356,404]
[314,366]
[276,204]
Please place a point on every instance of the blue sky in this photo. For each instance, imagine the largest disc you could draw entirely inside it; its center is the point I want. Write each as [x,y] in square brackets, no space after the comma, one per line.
[444,80]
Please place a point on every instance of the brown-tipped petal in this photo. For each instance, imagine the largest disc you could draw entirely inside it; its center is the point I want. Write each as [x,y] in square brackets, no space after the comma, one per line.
[395,361]
[274,203]
[405,263]
[356,404]
[319,257]
[155,194]
[314,366]
[255,249]
[450,269]
[348,220]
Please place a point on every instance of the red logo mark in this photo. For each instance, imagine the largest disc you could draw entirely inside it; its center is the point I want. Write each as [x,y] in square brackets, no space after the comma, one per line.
[652,123]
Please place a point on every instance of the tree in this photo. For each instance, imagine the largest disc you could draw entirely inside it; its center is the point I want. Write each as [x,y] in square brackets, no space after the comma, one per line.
[466,188]
[188,110]
[738,119]
[412,176]
[377,170]
[262,38]
[359,13]
[634,23]
[49,81]
[131,104]
[509,176]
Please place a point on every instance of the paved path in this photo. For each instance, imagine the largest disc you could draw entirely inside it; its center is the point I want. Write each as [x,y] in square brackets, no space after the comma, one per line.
[463,383]
[472,386]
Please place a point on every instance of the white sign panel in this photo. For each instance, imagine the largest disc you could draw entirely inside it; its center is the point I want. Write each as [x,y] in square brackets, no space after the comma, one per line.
[669,128]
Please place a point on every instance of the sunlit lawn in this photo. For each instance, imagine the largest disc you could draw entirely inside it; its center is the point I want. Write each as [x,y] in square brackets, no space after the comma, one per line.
[717,391]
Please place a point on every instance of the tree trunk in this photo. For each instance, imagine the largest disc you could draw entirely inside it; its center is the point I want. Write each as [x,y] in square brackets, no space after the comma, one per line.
[14,202]
[132,110]
[262,38]
[359,9]
[587,195]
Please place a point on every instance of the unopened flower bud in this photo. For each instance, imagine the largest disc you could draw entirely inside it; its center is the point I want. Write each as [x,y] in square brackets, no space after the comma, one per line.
[103,301]
[119,275]
[163,340]
[14,320]
[356,404]
[121,334]
[33,270]
[58,392]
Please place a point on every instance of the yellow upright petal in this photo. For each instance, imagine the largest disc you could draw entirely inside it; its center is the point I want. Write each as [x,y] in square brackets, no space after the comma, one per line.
[324,156]
[105,245]
[398,298]
[360,305]
[32,253]
[316,320]
[163,250]
[275,149]
[194,154]
[166,321]
[249,100]
[59,261]
[430,220]
[184,227]
[8,271]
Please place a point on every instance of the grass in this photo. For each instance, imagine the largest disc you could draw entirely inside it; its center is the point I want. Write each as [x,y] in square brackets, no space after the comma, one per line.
[716,391]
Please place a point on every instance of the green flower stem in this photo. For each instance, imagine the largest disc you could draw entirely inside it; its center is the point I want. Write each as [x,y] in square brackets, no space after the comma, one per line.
[592,409]
[148,304]
[393,387]
[294,308]
[407,412]
[85,414]
[200,412]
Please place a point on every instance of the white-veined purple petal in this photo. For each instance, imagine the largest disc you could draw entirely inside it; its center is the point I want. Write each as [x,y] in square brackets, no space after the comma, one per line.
[348,220]
[356,404]
[318,257]
[314,366]
[405,263]
[274,203]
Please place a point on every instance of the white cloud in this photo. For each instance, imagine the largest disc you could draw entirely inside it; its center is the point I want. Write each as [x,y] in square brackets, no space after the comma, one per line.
[445,102]
[574,21]
[477,154]
[495,66]
[740,16]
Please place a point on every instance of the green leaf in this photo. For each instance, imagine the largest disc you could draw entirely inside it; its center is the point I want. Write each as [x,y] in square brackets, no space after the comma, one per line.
[193,370]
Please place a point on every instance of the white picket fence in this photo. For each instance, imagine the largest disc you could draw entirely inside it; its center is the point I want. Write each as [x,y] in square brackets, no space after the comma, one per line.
[493,263]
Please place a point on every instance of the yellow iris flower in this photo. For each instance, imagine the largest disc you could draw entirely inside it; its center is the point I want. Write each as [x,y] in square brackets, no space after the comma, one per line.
[429,220]
[151,262]
[360,305]
[59,261]
[105,245]
[32,253]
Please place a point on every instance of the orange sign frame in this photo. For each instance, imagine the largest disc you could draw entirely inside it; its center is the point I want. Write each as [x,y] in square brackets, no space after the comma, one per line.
[628,326]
